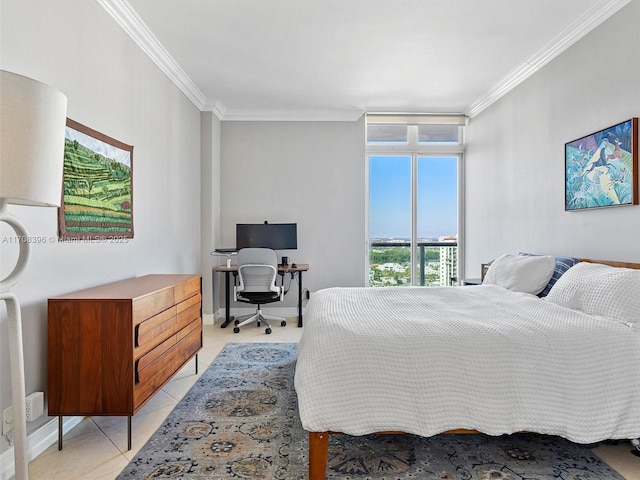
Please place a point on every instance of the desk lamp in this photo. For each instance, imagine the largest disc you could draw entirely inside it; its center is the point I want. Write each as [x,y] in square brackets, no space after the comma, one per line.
[32,125]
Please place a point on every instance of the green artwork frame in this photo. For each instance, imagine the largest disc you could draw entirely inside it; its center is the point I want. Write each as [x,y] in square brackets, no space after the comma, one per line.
[97,186]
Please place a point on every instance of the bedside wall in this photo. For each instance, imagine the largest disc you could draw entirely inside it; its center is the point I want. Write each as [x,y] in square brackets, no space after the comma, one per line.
[515,153]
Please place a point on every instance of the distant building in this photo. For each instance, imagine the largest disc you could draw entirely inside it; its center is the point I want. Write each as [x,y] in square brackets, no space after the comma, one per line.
[430,270]
[394,267]
[449,265]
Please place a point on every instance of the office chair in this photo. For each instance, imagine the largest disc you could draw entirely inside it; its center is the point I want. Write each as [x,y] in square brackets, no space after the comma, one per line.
[257,273]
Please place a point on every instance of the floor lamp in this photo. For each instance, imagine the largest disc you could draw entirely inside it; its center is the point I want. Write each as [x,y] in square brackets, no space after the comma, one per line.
[32,123]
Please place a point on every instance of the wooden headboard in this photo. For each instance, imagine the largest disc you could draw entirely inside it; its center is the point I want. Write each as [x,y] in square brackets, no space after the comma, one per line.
[612,263]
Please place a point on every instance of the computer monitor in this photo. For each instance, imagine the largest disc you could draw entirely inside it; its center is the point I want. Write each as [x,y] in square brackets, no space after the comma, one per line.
[277,236]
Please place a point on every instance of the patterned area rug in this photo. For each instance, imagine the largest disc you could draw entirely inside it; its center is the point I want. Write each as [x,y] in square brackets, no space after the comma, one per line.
[240,420]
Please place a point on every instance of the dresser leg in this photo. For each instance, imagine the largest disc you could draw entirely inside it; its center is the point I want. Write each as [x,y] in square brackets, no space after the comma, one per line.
[129,432]
[196,363]
[59,432]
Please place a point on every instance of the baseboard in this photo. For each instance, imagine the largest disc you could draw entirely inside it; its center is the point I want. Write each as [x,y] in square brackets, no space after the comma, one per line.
[37,442]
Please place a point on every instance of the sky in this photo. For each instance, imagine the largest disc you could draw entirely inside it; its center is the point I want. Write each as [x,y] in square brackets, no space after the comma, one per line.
[390,196]
[104,149]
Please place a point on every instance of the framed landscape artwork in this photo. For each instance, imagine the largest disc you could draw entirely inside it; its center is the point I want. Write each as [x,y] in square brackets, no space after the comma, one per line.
[97,201]
[601,169]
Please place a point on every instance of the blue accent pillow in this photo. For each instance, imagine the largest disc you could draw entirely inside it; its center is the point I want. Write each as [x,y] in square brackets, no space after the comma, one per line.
[562,265]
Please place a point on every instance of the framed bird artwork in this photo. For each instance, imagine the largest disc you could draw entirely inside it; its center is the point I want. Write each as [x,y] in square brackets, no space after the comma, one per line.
[601,169]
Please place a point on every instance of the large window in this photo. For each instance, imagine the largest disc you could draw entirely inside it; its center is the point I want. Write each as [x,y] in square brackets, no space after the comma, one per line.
[414,203]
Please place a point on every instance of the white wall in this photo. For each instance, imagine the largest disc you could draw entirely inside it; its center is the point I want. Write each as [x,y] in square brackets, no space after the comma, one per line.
[210,216]
[114,88]
[311,173]
[515,153]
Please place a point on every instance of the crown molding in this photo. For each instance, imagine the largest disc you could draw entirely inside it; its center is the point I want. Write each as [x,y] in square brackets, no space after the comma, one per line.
[216,107]
[245,115]
[582,25]
[242,115]
[124,14]
[129,20]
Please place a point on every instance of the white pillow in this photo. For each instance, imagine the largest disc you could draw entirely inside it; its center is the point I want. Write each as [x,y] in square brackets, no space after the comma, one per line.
[527,274]
[600,290]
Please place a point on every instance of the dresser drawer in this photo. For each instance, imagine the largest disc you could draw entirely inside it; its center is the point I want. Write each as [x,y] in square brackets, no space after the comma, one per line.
[156,329]
[187,289]
[194,325]
[164,363]
[150,305]
[149,357]
[188,311]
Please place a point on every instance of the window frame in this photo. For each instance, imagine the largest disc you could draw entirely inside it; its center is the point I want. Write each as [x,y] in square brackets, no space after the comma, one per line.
[416,150]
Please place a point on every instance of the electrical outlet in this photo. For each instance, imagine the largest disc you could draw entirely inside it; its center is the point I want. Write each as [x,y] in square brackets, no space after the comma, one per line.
[7,420]
[34,406]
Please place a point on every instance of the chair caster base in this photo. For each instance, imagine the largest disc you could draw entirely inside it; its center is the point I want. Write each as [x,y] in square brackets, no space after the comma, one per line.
[236,330]
[267,330]
[283,323]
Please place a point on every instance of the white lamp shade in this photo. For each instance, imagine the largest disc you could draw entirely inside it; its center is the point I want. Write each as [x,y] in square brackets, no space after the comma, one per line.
[32,125]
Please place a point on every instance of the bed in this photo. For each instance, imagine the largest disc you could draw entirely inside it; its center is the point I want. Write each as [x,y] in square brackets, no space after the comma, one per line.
[494,358]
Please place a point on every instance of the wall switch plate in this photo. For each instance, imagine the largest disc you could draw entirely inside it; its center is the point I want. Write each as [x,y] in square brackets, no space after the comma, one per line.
[7,420]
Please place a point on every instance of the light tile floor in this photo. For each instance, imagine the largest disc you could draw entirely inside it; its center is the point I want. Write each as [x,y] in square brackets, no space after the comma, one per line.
[96,449]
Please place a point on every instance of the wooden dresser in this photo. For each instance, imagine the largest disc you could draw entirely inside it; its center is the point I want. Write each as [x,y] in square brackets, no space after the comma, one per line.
[112,347]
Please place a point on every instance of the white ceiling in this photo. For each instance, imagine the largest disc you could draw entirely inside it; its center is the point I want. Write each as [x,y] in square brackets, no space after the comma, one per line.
[335,59]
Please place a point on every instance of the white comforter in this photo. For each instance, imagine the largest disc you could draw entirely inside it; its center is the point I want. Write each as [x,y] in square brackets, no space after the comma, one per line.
[427,360]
